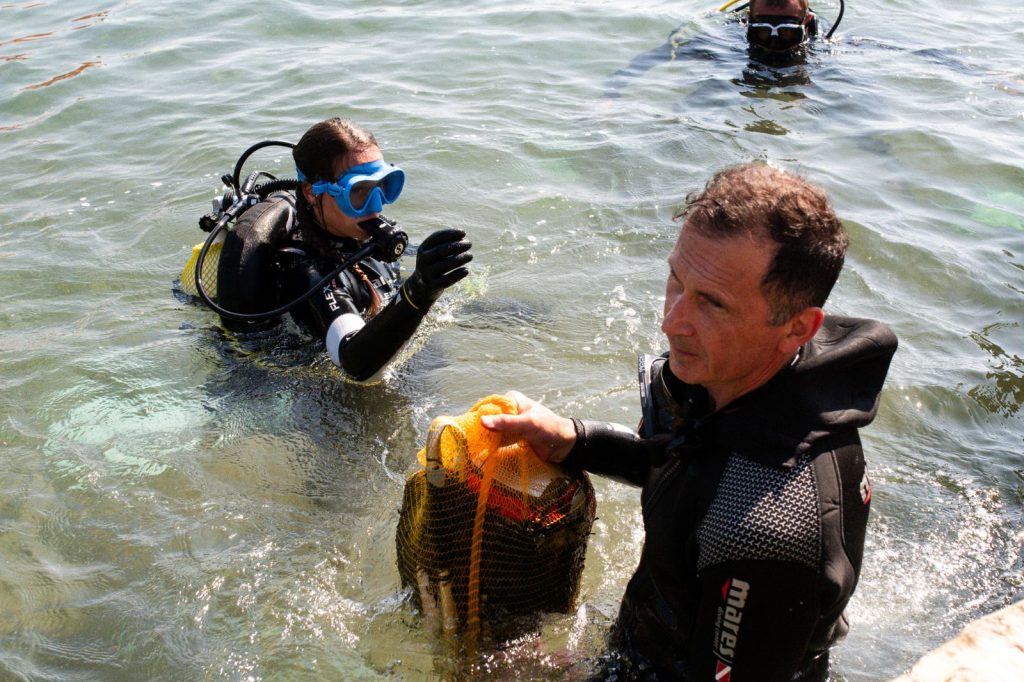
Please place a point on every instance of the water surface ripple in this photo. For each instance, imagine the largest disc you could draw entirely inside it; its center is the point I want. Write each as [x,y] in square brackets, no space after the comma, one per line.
[177,504]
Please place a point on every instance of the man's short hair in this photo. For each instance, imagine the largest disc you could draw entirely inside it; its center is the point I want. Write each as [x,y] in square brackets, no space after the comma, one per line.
[768,203]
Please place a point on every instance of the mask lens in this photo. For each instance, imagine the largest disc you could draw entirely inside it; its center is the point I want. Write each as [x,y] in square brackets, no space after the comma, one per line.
[760,35]
[790,36]
[392,184]
[359,193]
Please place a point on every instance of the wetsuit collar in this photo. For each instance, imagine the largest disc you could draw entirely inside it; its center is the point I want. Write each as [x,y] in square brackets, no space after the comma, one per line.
[833,387]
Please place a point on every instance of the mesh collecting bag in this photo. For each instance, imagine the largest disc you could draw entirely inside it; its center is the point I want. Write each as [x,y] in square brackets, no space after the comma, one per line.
[487,529]
[187,279]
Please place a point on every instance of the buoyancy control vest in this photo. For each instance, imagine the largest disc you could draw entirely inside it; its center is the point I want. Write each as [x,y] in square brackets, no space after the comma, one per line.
[246,281]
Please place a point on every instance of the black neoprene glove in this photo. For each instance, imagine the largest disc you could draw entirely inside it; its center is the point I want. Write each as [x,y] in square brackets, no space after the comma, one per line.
[440,262]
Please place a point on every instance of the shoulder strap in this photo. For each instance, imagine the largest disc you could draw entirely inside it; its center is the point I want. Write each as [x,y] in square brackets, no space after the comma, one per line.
[644,366]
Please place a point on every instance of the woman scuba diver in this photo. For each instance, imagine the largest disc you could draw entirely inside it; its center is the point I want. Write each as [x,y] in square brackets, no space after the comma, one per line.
[317,250]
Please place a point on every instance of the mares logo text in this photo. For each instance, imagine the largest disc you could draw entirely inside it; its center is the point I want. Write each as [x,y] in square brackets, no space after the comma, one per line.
[865,488]
[727,629]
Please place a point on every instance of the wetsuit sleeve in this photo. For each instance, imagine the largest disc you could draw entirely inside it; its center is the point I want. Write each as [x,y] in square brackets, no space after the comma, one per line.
[368,350]
[641,64]
[678,40]
[611,450]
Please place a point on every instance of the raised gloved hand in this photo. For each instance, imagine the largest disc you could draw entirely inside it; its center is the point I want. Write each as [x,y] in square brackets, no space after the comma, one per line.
[440,262]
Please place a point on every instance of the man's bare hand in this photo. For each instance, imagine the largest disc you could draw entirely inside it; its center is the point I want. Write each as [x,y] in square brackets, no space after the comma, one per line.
[550,436]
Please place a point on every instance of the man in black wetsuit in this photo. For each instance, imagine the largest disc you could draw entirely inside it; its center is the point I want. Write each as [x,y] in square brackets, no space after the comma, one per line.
[777,31]
[366,313]
[755,494]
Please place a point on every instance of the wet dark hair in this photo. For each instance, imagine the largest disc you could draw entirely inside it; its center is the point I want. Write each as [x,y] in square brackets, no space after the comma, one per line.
[765,202]
[320,147]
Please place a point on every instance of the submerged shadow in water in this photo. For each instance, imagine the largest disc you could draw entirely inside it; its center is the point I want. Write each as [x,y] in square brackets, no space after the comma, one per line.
[1004,395]
[287,415]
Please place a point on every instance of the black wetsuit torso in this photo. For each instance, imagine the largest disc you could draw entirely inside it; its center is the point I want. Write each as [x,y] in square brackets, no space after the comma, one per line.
[307,255]
[754,515]
[360,314]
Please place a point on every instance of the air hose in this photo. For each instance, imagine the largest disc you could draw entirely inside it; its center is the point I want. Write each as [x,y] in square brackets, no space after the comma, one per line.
[842,8]
[386,244]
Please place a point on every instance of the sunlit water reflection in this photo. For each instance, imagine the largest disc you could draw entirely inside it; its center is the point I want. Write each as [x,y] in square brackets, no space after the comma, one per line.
[176,503]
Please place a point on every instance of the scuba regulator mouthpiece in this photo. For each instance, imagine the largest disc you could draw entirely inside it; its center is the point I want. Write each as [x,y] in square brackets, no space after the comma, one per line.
[389,242]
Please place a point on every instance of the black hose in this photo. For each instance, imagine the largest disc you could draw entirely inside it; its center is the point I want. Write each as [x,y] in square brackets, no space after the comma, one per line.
[842,8]
[275,185]
[261,191]
[236,176]
[256,317]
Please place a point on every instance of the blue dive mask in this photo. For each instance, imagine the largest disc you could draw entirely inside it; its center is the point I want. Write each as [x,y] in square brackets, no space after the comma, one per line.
[363,189]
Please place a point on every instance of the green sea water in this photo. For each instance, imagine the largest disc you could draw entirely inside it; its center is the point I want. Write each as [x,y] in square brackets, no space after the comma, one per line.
[176,504]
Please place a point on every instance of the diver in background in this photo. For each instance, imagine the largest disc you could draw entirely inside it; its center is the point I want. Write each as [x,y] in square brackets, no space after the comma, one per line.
[366,313]
[777,33]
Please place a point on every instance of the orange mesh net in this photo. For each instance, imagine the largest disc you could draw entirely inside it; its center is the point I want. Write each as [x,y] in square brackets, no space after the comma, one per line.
[487,529]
